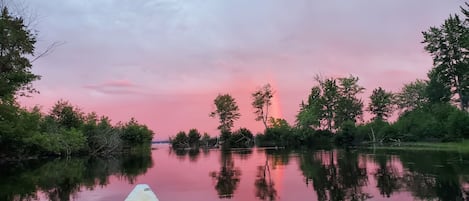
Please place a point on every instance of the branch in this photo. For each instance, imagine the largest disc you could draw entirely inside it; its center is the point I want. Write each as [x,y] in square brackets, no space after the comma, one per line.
[48,50]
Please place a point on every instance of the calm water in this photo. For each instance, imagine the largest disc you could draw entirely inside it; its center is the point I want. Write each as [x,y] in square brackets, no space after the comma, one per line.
[257,174]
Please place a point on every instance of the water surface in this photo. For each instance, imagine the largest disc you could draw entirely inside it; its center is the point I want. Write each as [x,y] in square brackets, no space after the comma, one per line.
[256,174]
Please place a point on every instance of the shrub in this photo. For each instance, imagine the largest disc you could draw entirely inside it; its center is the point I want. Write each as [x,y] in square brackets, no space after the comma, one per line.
[242,138]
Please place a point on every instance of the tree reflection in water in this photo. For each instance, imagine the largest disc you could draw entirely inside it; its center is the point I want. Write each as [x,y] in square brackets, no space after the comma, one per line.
[336,175]
[265,189]
[435,175]
[227,179]
[265,186]
[387,175]
[62,179]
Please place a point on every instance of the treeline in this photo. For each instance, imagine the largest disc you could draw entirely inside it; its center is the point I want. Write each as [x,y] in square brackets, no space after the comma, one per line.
[434,109]
[241,138]
[65,130]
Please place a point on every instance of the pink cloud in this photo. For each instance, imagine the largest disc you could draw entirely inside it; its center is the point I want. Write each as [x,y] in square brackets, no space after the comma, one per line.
[167,73]
[115,87]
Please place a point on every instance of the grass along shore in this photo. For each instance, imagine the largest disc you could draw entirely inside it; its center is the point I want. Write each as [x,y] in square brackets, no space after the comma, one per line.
[462,146]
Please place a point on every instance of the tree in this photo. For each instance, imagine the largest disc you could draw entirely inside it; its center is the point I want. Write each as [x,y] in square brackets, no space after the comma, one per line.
[103,138]
[16,44]
[346,134]
[261,100]
[348,107]
[437,91]
[180,141]
[329,100]
[449,44]
[134,133]
[66,115]
[242,138]
[227,111]
[193,137]
[332,102]
[381,104]
[311,112]
[412,96]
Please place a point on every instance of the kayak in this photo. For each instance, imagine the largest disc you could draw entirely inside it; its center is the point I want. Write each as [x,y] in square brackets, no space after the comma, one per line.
[141,192]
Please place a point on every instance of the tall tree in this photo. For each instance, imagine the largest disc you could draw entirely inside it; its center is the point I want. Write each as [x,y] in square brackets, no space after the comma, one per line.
[227,111]
[261,100]
[310,113]
[412,96]
[16,44]
[349,106]
[331,103]
[449,45]
[436,90]
[381,104]
[329,100]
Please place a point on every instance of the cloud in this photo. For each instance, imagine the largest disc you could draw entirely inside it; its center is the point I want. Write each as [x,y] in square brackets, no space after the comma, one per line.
[151,53]
[115,87]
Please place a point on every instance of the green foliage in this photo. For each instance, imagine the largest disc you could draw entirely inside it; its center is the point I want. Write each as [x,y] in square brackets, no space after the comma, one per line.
[328,100]
[346,134]
[134,133]
[180,141]
[17,44]
[242,138]
[426,124]
[103,138]
[64,142]
[208,141]
[193,137]
[412,96]
[66,115]
[277,134]
[23,135]
[437,91]
[65,130]
[331,103]
[227,111]
[378,131]
[457,124]
[448,45]
[16,125]
[261,100]
[311,112]
[349,106]
[381,104]
[280,133]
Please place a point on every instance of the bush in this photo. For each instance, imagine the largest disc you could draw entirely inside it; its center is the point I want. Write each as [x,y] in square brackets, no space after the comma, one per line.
[66,115]
[180,141]
[134,133]
[346,134]
[193,137]
[458,125]
[242,138]
[208,141]
[425,124]
[64,142]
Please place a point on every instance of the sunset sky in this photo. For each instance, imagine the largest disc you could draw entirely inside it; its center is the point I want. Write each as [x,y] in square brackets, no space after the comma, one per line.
[163,62]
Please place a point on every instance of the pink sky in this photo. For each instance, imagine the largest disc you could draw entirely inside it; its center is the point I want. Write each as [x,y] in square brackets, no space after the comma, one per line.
[163,62]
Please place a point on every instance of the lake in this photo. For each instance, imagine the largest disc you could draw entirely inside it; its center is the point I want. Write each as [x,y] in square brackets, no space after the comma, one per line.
[256,174]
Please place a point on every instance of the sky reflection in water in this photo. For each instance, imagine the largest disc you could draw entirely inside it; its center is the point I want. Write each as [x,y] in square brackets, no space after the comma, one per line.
[258,174]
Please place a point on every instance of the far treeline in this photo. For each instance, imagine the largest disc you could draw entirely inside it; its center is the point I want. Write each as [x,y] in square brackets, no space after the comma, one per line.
[432,110]
[65,130]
